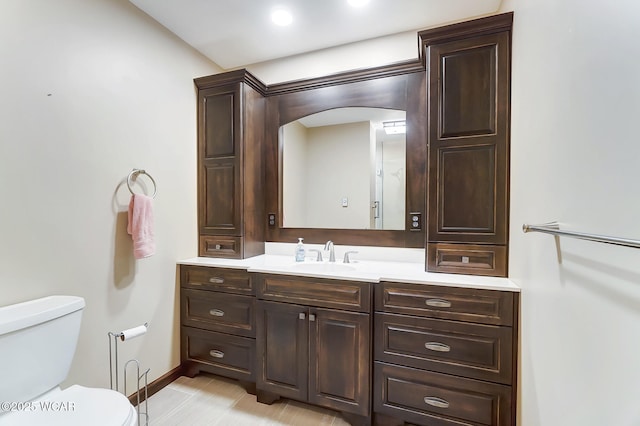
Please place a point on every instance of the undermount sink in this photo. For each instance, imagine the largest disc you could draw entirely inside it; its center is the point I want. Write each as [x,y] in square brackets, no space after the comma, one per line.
[323,267]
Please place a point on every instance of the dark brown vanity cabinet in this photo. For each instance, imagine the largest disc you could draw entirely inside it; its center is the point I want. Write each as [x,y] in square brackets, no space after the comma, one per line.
[313,343]
[444,355]
[217,322]
[468,93]
[383,354]
[230,173]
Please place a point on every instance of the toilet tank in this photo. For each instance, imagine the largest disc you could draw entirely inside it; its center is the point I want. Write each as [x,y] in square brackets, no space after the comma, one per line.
[37,341]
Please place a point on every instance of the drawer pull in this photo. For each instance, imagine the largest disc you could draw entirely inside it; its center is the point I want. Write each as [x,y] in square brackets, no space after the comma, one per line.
[436,402]
[438,303]
[302,315]
[216,312]
[312,317]
[218,354]
[438,347]
[216,280]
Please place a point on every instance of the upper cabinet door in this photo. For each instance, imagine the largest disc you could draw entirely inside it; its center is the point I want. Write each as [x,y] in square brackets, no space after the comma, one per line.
[469,135]
[220,117]
[219,172]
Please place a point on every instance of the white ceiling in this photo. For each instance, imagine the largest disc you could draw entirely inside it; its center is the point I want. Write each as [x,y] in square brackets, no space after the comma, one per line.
[236,33]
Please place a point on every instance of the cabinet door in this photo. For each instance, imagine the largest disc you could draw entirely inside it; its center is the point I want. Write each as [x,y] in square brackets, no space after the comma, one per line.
[340,359]
[219,174]
[282,341]
[221,202]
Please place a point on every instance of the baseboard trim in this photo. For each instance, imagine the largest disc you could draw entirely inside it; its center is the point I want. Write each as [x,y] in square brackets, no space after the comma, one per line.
[157,384]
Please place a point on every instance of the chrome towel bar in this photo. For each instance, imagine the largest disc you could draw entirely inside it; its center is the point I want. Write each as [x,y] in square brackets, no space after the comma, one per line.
[553,228]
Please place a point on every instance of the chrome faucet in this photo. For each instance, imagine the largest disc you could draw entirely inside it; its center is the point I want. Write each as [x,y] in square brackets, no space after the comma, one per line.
[332,253]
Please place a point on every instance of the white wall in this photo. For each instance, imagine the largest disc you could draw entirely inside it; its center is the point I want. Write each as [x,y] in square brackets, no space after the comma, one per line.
[575,151]
[294,175]
[370,53]
[90,90]
[338,167]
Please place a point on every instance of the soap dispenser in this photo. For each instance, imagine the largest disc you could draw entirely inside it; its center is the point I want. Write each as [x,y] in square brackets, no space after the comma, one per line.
[300,251]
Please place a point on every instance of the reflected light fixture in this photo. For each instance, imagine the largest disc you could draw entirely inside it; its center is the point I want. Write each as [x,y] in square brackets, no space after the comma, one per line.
[281,17]
[394,127]
[357,3]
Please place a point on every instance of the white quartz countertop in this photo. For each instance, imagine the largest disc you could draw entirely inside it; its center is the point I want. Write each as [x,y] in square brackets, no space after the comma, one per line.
[360,270]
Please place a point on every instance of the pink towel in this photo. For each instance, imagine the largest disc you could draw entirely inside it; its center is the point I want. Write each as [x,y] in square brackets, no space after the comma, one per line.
[140,225]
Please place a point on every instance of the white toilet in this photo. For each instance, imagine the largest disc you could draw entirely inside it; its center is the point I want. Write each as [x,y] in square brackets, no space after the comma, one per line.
[37,342]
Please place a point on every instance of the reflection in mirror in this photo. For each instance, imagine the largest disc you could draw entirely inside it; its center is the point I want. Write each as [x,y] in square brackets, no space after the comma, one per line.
[344,169]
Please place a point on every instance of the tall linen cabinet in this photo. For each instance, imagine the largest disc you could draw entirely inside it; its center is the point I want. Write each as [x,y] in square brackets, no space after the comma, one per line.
[231,116]
[468,97]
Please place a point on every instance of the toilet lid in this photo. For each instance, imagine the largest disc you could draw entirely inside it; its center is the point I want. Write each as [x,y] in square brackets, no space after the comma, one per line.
[76,405]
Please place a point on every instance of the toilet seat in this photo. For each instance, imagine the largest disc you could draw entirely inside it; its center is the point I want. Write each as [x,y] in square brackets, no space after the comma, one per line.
[76,406]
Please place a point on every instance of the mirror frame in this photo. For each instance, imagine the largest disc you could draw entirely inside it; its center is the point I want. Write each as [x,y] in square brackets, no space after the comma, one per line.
[399,86]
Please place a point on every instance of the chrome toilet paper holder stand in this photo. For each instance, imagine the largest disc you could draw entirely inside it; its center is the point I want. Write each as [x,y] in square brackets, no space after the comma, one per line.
[142,384]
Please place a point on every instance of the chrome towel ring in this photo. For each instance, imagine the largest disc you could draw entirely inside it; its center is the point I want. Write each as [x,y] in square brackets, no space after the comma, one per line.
[134,174]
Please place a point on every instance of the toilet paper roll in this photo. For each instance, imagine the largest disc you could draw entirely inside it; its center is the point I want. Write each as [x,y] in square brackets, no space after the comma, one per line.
[133,332]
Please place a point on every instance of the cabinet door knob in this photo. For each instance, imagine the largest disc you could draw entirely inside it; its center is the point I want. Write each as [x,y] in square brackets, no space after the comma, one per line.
[436,402]
[216,313]
[216,280]
[312,317]
[437,346]
[301,315]
[438,303]
[216,354]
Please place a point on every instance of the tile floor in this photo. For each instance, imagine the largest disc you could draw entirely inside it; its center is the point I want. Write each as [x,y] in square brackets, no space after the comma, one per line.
[208,400]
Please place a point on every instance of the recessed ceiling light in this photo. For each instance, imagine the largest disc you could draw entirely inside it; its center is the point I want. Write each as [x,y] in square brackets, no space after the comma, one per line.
[281,17]
[358,3]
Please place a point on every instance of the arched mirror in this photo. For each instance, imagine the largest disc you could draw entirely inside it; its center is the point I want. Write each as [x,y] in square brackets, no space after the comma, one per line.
[346,158]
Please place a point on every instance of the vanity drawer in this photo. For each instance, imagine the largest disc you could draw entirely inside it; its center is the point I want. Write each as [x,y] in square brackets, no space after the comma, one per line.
[218,353]
[472,350]
[221,246]
[428,398]
[329,293]
[464,304]
[472,259]
[228,313]
[219,279]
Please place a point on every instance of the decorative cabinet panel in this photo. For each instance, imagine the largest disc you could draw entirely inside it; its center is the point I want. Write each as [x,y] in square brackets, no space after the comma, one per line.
[444,355]
[468,134]
[231,119]
[217,316]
